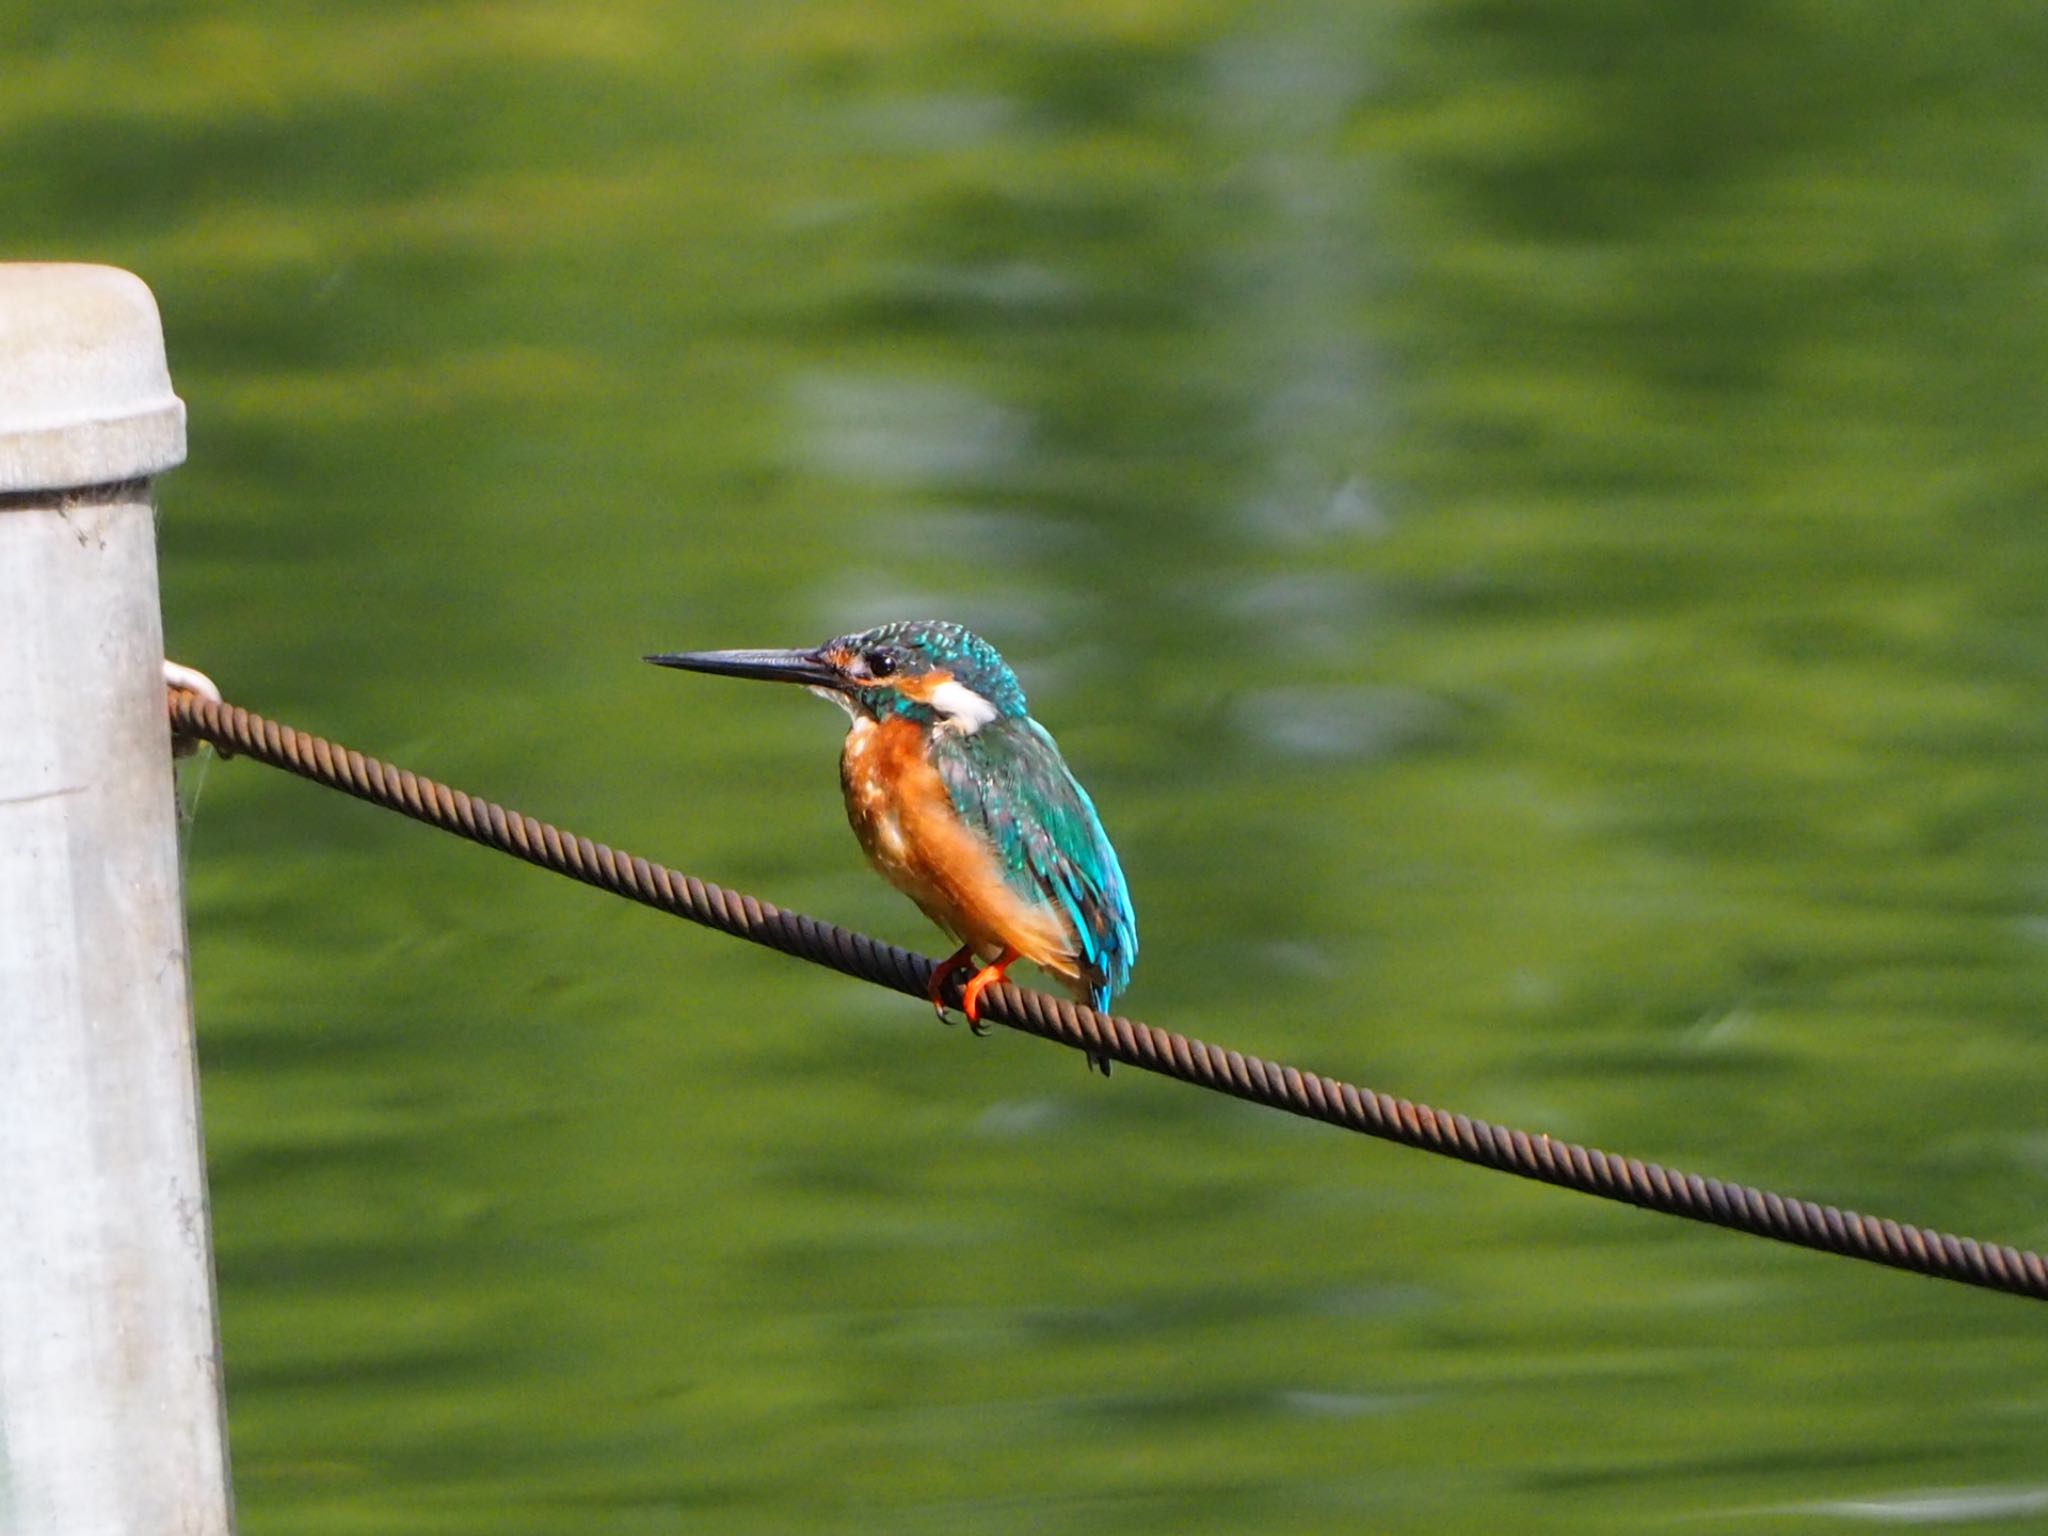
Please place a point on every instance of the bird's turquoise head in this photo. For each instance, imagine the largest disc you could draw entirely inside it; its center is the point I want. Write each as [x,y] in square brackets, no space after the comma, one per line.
[928,671]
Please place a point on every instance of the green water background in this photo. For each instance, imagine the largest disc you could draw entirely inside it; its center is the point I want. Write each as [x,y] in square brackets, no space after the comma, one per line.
[1528,519]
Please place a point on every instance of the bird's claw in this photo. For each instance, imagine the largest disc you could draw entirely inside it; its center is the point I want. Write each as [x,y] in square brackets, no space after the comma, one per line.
[978,983]
[942,973]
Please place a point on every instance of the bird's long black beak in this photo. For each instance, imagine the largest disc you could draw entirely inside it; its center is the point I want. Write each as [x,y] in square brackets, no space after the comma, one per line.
[806,667]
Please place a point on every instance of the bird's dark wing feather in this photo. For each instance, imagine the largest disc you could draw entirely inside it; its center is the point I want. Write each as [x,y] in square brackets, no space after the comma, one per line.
[1010,784]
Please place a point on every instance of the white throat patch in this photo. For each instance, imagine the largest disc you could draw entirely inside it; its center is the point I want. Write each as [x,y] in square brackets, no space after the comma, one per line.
[852,709]
[964,709]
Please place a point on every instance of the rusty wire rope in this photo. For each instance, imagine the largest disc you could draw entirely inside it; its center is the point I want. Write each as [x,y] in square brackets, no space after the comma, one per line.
[1740,1207]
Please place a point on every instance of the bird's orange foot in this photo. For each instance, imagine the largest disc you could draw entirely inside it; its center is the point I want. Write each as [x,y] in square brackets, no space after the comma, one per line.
[980,982]
[944,972]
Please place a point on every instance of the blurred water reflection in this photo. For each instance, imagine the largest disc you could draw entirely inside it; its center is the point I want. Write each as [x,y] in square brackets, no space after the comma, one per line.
[1526,519]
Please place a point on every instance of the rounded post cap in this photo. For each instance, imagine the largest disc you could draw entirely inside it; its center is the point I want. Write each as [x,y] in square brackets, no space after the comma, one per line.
[85,391]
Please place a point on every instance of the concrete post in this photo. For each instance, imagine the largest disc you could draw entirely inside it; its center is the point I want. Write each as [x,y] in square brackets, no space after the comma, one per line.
[110,1393]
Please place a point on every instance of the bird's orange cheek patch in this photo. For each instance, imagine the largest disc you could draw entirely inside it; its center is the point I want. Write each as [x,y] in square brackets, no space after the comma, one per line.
[922,686]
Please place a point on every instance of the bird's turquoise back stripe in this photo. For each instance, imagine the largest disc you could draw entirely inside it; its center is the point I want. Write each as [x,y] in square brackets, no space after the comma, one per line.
[1008,783]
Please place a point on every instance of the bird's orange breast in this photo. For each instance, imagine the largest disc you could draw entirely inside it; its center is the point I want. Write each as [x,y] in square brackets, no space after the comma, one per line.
[906,822]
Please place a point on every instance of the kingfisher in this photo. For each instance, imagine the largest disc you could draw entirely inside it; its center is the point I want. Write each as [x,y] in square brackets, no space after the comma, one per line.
[962,802]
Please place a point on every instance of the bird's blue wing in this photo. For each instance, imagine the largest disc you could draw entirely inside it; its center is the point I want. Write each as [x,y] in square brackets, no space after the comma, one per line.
[1010,784]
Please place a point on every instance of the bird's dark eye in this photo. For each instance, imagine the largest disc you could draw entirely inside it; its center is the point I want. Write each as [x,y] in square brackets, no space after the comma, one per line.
[881,661]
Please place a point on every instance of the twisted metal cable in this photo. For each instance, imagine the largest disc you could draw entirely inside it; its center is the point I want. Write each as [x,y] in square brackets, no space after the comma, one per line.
[1804,1223]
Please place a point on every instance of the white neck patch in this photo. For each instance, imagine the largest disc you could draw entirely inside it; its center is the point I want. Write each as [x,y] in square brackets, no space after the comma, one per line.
[964,709]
